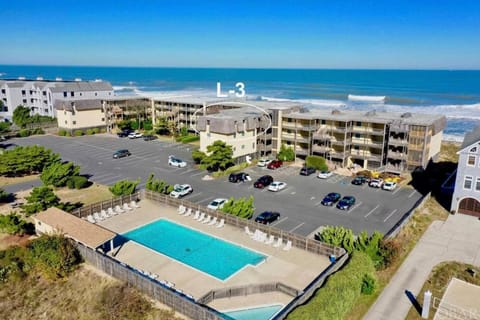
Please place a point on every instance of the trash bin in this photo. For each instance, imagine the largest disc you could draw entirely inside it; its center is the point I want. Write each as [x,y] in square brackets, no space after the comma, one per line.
[332,258]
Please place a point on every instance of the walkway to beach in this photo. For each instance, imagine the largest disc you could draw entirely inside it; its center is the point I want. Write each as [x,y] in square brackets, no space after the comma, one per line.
[456,239]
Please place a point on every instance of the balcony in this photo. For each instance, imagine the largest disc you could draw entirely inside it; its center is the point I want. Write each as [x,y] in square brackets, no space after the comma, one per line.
[397,155]
[302,139]
[288,125]
[339,129]
[395,168]
[339,142]
[398,129]
[360,154]
[398,142]
[321,136]
[301,151]
[288,137]
[321,149]
[339,155]
[368,130]
[368,142]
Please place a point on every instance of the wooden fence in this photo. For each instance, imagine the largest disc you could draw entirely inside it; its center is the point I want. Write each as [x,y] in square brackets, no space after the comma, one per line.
[103,205]
[298,241]
[169,297]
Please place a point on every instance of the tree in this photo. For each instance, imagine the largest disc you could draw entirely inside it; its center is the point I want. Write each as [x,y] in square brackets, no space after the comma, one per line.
[158,185]
[4,126]
[198,156]
[242,207]
[4,196]
[338,236]
[316,162]
[58,174]
[21,116]
[286,153]
[13,224]
[124,124]
[26,160]
[40,199]
[124,187]
[219,156]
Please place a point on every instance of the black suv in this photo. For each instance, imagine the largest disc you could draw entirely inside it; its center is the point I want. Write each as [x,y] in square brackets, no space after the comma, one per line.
[358,181]
[124,133]
[306,171]
[149,137]
[263,182]
[121,153]
[331,198]
[238,177]
[267,217]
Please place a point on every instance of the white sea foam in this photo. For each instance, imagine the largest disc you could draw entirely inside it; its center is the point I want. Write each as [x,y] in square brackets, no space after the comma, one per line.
[352,97]
[452,137]
[451,111]
[121,88]
[312,102]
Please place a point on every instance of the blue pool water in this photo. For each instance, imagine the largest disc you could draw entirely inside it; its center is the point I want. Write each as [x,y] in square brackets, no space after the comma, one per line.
[261,313]
[216,257]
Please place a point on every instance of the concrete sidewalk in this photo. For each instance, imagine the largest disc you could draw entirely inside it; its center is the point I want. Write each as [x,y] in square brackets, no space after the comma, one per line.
[456,239]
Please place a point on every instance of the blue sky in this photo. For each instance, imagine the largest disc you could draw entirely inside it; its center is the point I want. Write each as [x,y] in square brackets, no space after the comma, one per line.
[406,34]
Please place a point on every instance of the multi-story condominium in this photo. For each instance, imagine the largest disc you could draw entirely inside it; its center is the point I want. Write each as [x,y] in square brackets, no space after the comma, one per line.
[375,140]
[39,95]
[466,195]
[80,114]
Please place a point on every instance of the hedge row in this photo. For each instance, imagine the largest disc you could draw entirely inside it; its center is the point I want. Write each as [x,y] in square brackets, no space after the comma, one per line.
[337,297]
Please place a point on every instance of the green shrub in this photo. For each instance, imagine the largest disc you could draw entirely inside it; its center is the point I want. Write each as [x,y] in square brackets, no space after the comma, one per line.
[77,182]
[78,133]
[13,224]
[4,196]
[26,160]
[316,162]
[286,153]
[242,207]
[90,132]
[147,125]
[190,138]
[24,133]
[158,185]
[40,199]
[62,132]
[38,131]
[124,187]
[368,284]
[389,250]
[340,293]
[57,174]
[96,130]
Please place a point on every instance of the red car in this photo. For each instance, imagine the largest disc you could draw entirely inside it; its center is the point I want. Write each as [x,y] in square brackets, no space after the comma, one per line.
[275,164]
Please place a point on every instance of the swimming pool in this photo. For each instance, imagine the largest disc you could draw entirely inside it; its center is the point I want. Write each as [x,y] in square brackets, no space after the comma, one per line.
[260,313]
[201,251]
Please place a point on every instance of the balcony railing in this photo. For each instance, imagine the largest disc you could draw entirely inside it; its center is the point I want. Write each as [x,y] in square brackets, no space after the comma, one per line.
[365,155]
[395,168]
[322,149]
[321,136]
[394,128]
[368,130]
[338,155]
[339,129]
[398,142]
[368,142]
[301,151]
[396,155]
[288,124]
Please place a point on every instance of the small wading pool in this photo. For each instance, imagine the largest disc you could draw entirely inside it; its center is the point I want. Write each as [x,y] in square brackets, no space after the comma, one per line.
[201,251]
[259,313]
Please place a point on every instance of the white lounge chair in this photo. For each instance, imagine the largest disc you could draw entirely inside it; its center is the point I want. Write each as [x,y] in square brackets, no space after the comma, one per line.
[126,207]
[288,246]
[104,215]
[182,209]
[278,243]
[256,234]
[221,223]
[91,219]
[110,212]
[262,236]
[247,231]
[197,215]
[270,240]
[189,212]
[97,217]
[133,204]
[206,220]
[213,221]
[119,210]
[200,218]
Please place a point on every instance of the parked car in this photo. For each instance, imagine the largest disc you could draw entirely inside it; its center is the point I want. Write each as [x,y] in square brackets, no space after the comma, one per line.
[175,162]
[180,190]
[275,164]
[135,135]
[149,137]
[325,174]
[331,198]
[346,203]
[389,185]
[360,180]
[123,134]
[277,186]
[263,181]
[376,183]
[306,171]
[217,204]
[239,177]
[121,153]
[267,217]
[263,162]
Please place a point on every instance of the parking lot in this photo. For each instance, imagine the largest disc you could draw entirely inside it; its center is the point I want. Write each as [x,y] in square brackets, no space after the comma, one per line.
[299,203]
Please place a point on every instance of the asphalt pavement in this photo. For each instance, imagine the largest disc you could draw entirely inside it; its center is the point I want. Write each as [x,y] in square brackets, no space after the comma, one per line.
[299,203]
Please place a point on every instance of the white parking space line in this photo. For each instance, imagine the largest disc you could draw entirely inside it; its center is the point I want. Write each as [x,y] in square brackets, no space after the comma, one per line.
[205,200]
[411,194]
[197,174]
[391,214]
[301,224]
[371,211]
[188,171]
[279,221]
[319,202]
[193,195]
[395,191]
[354,207]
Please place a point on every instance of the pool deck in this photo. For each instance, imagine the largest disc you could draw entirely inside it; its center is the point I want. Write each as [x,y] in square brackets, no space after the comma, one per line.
[296,267]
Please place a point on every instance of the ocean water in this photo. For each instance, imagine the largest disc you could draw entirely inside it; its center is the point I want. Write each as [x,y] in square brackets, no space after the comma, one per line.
[455,94]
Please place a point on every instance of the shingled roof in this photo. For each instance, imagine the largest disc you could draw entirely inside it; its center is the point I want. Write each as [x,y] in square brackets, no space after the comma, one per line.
[471,137]
[79,105]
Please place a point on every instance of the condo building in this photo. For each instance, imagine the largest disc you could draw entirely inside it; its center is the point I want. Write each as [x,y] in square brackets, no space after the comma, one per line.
[40,95]
[80,115]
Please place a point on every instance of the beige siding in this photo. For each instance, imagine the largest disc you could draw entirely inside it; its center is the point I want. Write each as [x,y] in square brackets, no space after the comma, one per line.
[243,144]
[435,144]
[83,119]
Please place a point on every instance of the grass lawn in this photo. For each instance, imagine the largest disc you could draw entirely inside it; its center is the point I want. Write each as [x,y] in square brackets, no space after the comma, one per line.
[407,238]
[85,294]
[439,279]
[92,194]
[4,181]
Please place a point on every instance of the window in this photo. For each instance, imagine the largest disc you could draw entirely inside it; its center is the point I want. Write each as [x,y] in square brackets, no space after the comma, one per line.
[243,146]
[64,94]
[471,160]
[103,119]
[23,92]
[72,94]
[3,91]
[44,93]
[253,145]
[359,124]
[95,94]
[74,122]
[24,100]
[65,121]
[473,150]
[357,135]
[477,184]
[64,112]
[467,183]
[80,94]
[324,121]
